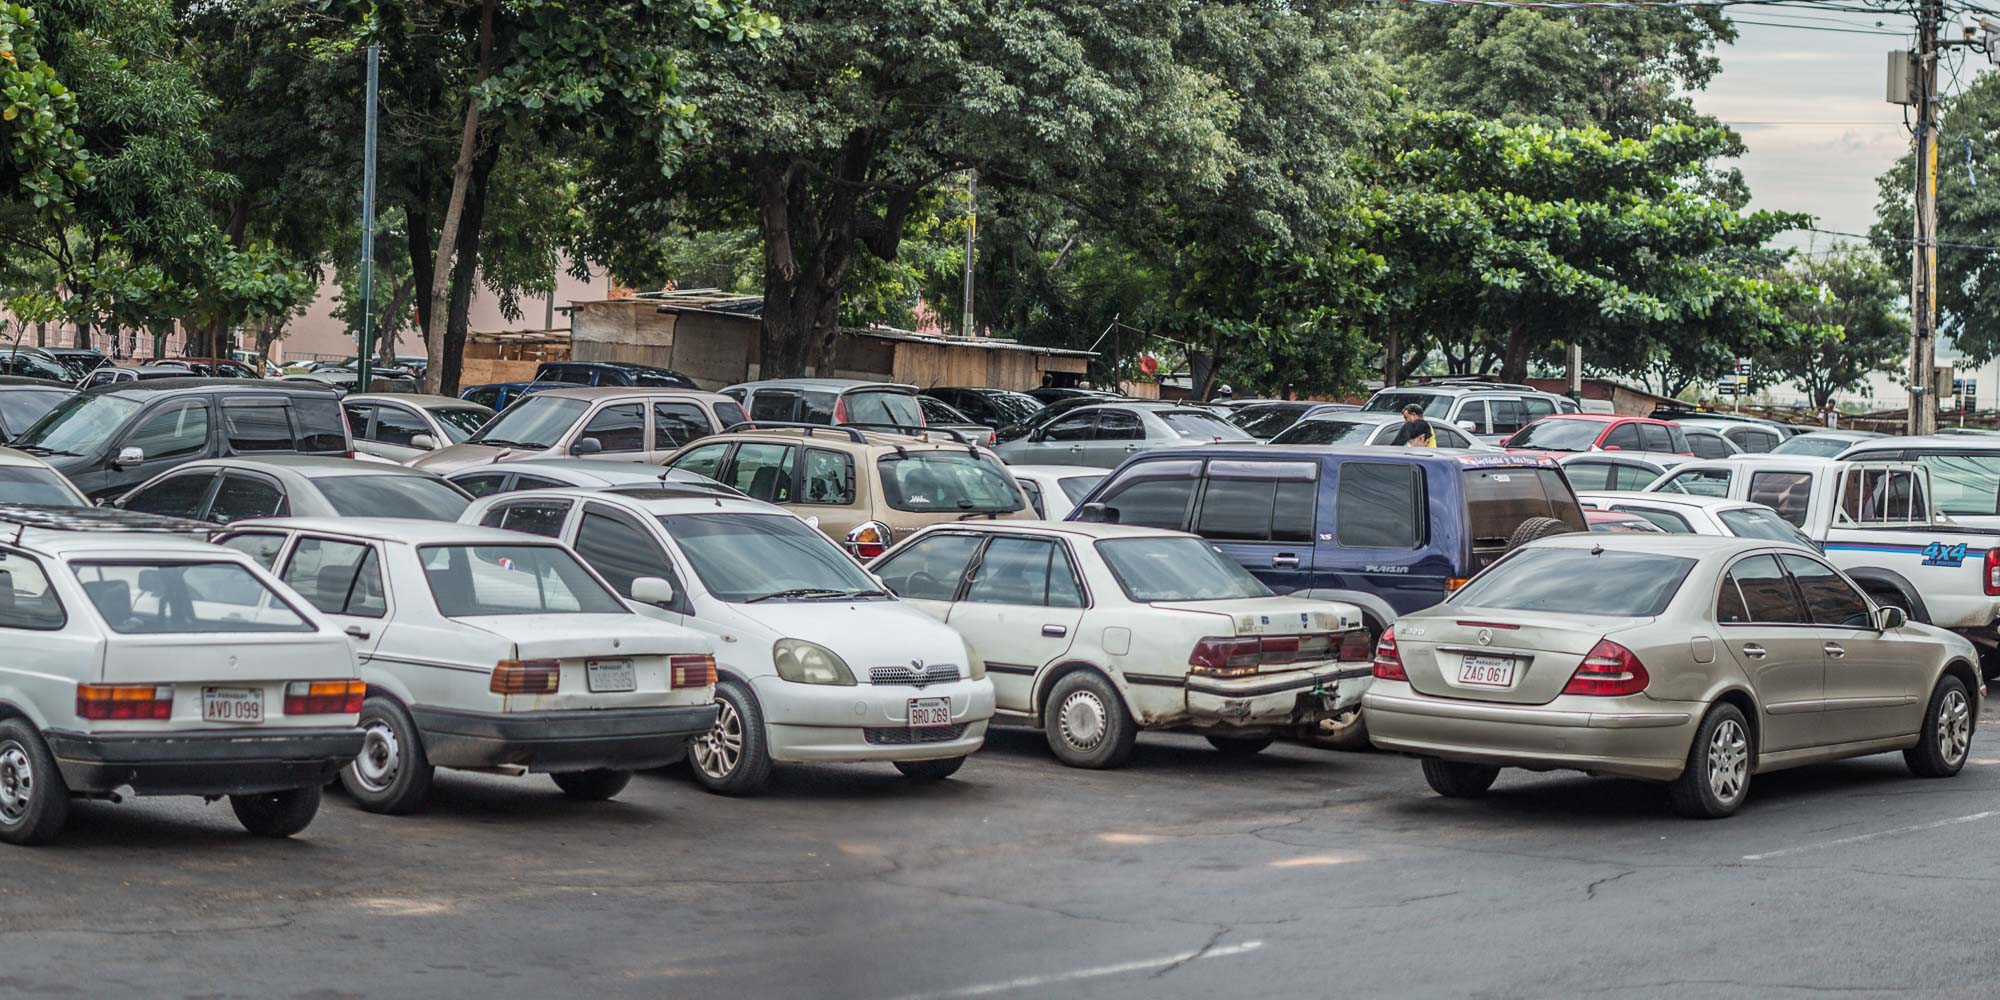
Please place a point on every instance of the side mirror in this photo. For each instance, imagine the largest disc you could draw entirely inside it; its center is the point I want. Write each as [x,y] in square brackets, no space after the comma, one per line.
[107,502]
[652,590]
[1038,434]
[1469,426]
[1096,513]
[1887,619]
[424,441]
[586,446]
[129,457]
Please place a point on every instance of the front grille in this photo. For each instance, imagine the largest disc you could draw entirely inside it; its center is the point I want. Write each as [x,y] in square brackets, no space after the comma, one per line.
[936,673]
[898,736]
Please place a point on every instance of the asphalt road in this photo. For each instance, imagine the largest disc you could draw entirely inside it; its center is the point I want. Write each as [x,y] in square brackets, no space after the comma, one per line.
[1296,873]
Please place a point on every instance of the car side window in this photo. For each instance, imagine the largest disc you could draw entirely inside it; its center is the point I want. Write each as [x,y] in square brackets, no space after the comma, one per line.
[526,482]
[262,546]
[1708,446]
[242,497]
[254,426]
[1785,492]
[620,550]
[829,477]
[1656,438]
[397,426]
[1014,571]
[1768,596]
[1063,589]
[358,417]
[535,517]
[1509,415]
[1473,411]
[705,460]
[1075,427]
[678,424]
[1729,609]
[930,568]
[1153,502]
[339,578]
[729,413]
[176,431]
[1379,505]
[26,599]
[1699,482]
[1033,491]
[483,485]
[1447,437]
[1259,501]
[1589,475]
[1632,477]
[620,428]
[1538,407]
[762,472]
[1829,598]
[1119,425]
[1753,440]
[1624,437]
[1883,496]
[175,496]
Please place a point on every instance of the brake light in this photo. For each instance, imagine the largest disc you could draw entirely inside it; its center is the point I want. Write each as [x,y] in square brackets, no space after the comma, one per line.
[869,540]
[1487,625]
[125,701]
[692,670]
[1608,670]
[1232,656]
[1228,657]
[525,677]
[1993,572]
[840,409]
[1354,646]
[324,697]
[1388,662]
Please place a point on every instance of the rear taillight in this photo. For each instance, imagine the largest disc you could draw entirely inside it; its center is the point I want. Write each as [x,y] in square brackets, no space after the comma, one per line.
[692,671]
[1230,656]
[869,540]
[1354,646]
[840,409]
[125,701]
[1992,577]
[1451,585]
[992,438]
[1608,670]
[1388,662]
[324,697]
[1225,657]
[525,677]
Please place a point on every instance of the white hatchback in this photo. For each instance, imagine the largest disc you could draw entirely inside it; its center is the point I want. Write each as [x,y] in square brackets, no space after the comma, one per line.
[818,663]
[1095,631]
[487,650]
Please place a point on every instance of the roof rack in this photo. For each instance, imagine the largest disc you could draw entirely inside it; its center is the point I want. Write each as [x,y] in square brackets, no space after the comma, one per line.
[757,425]
[677,489]
[97,519]
[911,431]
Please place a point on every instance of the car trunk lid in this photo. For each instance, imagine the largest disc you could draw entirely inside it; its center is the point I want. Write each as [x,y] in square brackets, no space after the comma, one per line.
[1499,656]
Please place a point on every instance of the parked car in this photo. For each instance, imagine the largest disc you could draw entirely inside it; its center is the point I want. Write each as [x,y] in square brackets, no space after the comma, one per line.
[108,439]
[1266,420]
[618,373]
[224,490]
[581,473]
[490,650]
[1607,470]
[864,489]
[830,401]
[1359,427]
[212,367]
[142,663]
[1103,436]
[1486,410]
[27,362]
[1708,442]
[940,415]
[1053,490]
[817,662]
[347,380]
[1684,514]
[1823,444]
[995,408]
[1592,432]
[114,374]
[77,362]
[1613,522]
[1049,395]
[23,401]
[1751,434]
[1698,662]
[25,479]
[498,396]
[1063,407]
[1095,631]
[1965,471]
[633,425]
[403,426]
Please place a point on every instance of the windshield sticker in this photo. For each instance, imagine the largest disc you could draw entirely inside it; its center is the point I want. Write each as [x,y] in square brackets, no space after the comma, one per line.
[1941,554]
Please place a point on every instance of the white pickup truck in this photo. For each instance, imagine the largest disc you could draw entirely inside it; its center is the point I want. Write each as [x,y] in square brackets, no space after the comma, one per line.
[1875,521]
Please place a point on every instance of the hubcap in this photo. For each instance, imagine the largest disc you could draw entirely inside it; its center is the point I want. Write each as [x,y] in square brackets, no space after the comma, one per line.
[17,783]
[1082,720]
[1954,727]
[718,752]
[381,756]
[1728,760]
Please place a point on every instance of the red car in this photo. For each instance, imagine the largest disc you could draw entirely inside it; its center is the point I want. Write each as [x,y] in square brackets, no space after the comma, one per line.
[1599,432]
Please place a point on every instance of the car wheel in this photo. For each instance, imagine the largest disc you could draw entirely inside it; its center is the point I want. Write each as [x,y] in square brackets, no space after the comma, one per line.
[277,814]
[1087,723]
[34,802]
[391,774]
[1535,528]
[592,786]
[1717,776]
[732,758]
[926,771]
[1239,746]
[1946,738]
[1455,780]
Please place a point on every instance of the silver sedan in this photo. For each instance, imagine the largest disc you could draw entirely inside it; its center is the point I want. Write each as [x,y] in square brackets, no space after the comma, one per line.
[225,490]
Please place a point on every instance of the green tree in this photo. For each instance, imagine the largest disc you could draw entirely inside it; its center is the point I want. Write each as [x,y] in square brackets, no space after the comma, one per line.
[1843,323]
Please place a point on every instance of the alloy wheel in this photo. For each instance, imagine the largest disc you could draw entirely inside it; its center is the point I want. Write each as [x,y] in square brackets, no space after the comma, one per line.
[718,753]
[1728,760]
[1081,719]
[1954,727]
[381,756]
[17,783]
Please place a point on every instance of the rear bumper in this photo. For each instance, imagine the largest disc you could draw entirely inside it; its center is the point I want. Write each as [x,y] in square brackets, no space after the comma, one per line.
[1649,742]
[234,762]
[622,739]
[1266,703]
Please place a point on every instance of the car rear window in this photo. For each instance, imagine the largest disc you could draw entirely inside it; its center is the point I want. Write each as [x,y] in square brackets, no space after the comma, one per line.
[1578,582]
[1497,500]
[477,580]
[32,484]
[321,429]
[419,497]
[1319,430]
[930,482]
[882,407]
[150,598]
[1756,522]
[1176,569]
[1192,424]
[1434,404]
[1558,434]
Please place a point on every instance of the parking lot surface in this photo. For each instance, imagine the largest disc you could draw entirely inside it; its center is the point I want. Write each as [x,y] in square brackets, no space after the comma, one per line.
[1295,873]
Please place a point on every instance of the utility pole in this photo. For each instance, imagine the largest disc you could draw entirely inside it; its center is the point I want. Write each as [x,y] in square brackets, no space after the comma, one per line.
[1923,246]
[365,349]
[971,244]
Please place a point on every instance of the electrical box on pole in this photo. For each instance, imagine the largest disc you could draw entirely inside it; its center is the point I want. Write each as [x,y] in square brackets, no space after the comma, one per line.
[1902,77]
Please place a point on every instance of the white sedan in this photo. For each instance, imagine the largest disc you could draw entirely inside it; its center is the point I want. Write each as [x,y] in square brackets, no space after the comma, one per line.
[489,650]
[1688,514]
[818,663]
[1095,631]
[1053,490]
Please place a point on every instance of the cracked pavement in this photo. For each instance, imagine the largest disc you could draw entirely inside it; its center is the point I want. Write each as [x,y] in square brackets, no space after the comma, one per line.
[1297,872]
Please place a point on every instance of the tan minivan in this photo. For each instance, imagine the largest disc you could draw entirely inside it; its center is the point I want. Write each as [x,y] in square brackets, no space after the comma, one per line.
[864,489]
[617,423]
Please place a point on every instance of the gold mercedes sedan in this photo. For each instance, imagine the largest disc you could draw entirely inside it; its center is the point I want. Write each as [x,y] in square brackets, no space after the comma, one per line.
[1697,661]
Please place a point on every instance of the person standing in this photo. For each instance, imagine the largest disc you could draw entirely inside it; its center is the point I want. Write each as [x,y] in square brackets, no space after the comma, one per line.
[1416,431]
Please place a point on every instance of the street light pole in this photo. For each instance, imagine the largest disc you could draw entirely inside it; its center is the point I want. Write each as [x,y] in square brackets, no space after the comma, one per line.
[366,345]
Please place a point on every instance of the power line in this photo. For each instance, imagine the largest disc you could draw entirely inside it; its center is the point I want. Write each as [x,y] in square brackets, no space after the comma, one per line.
[1947,244]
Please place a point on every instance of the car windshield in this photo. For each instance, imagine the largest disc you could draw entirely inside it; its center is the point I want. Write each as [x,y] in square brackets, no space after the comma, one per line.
[1195,424]
[1176,569]
[1572,581]
[1267,421]
[20,408]
[1434,404]
[418,497]
[1813,445]
[740,557]
[883,407]
[1759,522]
[148,598]
[460,422]
[1319,430]
[1078,487]
[470,581]
[33,484]
[1552,434]
[78,424]
[536,422]
[940,482]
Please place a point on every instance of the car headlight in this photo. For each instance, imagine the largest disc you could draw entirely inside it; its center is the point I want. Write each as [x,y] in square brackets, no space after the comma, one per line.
[810,663]
[975,668]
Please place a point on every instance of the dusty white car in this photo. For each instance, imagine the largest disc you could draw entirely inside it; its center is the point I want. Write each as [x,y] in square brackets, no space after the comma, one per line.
[492,651]
[143,661]
[1688,514]
[1095,631]
[1054,490]
[818,663]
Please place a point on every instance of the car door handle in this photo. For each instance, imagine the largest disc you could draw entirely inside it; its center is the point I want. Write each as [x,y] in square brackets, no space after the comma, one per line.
[1833,649]
[1753,651]
[1054,631]
[357,632]
[1285,559]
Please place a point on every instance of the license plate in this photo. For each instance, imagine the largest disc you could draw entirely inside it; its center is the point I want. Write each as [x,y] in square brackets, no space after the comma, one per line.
[243,706]
[930,713]
[1487,671]
[610,675]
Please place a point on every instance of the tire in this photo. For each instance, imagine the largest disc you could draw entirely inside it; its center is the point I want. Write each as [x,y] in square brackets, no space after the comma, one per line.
[595,785]
[1455,780]
[1087,723]
[1536,528]
[34,802]
[1240,746]
[734,758]
[927,771]
[1717,777]
[277,814]
[392,775]
[1946,739]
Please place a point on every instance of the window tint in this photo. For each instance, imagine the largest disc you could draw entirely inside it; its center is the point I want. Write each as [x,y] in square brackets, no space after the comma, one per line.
[761,472]
[1624,437]
[1632,477]
[1013,571]
[1075,427]
[1449,437]
[1538,407]
[1155,503]
[397,426]
[1767,592]
[676,424]
[877,407]
[536,517]
[563,373]
[618,428]
[1590,475]
[483,485]
[1575,581]
[261,546]
[485,396]
[1119,425]
[729,414]
[339,578]
[829,477]
[1078,487]
[1259,501]
[245,496]
[1176,569]
[1753,440]
[1656,438]
[1379,506]
[1322,430]
[1785,492]
[525,482]
[177,496]
[1063,590]
[947,481]
[1474,413]
[26,600]
[1829,599]
[929,570]
[705,460]
[1699,482]
[1508,415]
[1729,609]
[619,549]
[358,416]
[774,404]
[1498,500]
[419,497]
[477,580]
[321,431]
[253,427]
[1708,446]
[177,431]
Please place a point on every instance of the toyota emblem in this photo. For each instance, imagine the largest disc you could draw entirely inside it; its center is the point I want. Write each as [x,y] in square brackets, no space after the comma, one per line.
[1486,637]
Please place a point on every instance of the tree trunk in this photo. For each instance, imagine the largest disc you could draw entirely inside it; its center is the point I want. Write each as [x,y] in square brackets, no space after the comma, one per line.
[465,274]
[1392,357]
[461,180]
[1514,364]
